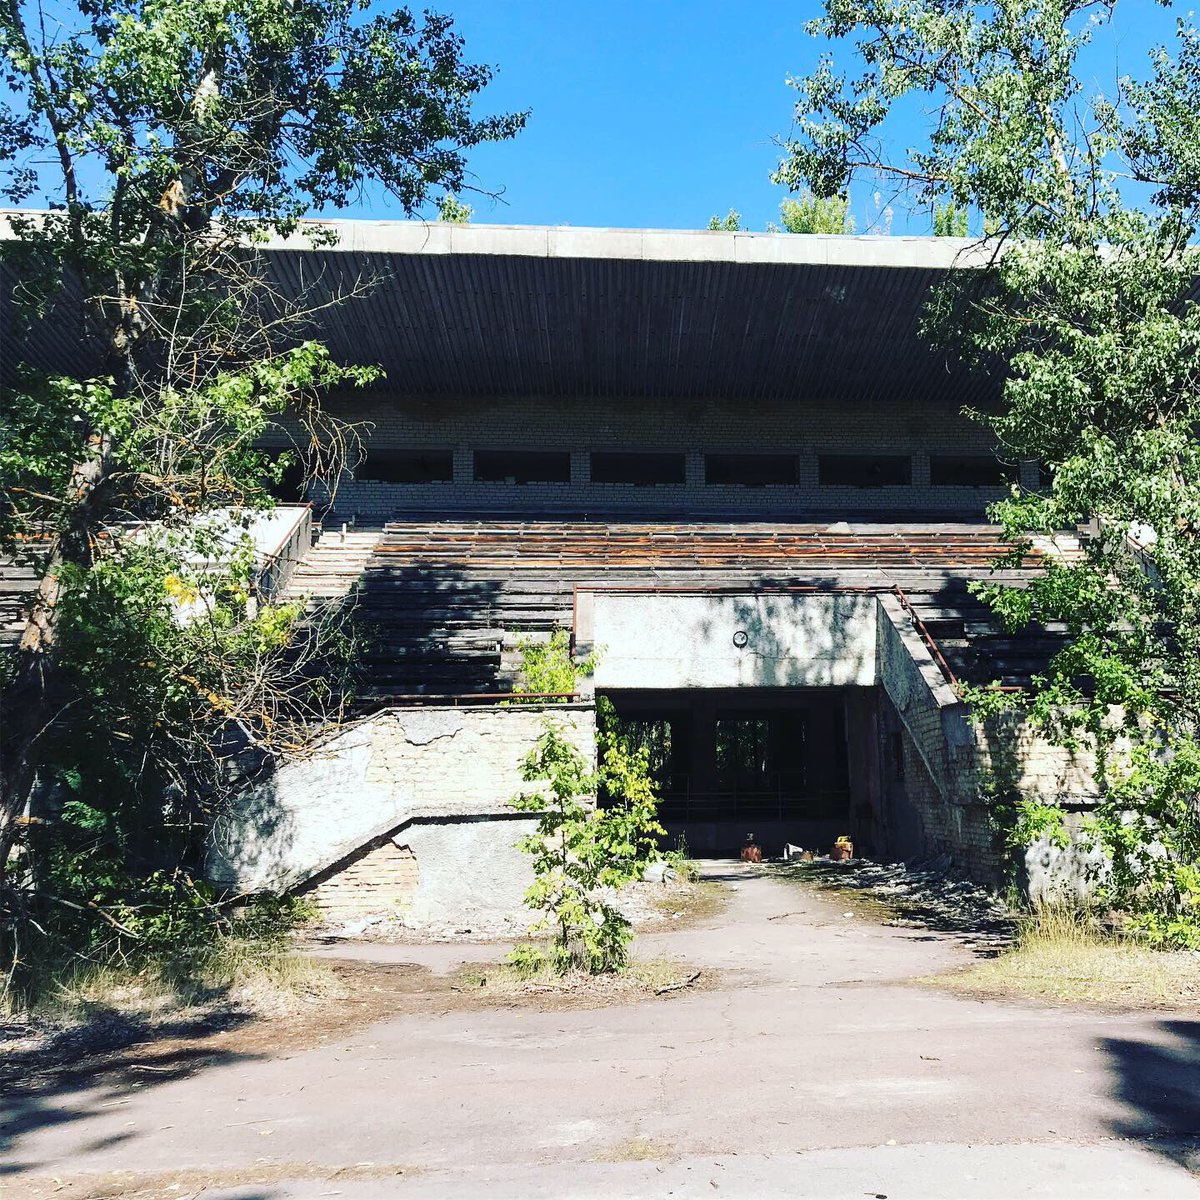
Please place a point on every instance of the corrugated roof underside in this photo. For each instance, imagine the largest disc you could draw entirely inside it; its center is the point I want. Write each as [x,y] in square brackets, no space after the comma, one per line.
[495,325]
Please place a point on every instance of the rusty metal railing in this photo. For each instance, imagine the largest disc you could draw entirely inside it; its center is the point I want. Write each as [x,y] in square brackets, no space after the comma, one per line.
[930,641]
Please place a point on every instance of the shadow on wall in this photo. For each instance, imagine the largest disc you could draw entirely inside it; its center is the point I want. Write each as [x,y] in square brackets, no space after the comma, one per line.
[430,629]
[837,633]
[255,807]
[416,630]
[1155,1080]
[1013,764]
[750,637]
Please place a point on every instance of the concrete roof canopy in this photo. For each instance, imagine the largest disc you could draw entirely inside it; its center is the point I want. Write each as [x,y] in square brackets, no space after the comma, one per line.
[508,310]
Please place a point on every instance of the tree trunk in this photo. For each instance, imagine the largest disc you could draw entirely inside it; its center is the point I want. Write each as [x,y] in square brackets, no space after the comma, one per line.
[36,699]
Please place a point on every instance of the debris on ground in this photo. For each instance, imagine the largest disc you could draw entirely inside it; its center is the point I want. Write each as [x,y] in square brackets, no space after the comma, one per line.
[922,896]
[661,896]
[678,986]
[659,872]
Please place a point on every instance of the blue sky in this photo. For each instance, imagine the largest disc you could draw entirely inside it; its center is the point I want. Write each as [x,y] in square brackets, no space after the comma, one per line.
[661,113]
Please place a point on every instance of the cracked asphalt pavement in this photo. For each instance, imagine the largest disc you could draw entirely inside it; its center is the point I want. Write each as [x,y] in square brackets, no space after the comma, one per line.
[815,1066]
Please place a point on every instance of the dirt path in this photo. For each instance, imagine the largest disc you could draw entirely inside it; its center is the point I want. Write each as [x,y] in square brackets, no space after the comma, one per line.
[814,1068]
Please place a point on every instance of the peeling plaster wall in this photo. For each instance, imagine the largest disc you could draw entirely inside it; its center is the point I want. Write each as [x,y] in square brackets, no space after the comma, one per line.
[436,780]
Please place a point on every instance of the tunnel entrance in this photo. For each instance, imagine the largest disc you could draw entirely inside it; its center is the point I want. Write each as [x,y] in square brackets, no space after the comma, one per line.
[788,765]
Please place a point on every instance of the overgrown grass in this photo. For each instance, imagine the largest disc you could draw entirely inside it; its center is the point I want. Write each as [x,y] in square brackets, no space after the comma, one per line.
[1065,957]
[686,869]
[258,976]
[243,960]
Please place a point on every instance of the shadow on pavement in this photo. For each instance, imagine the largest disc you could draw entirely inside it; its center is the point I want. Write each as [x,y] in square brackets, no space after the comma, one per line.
[86,1070]
[1158,1083]
[929,899]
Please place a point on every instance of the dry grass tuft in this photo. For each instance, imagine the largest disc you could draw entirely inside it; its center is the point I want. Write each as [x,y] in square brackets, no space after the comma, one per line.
[642,978]
[685,902]
[635,1149]
[194,1181]
[1063,957]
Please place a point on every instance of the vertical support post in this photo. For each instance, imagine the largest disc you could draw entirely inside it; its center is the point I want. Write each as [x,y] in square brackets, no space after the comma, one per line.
[862,735]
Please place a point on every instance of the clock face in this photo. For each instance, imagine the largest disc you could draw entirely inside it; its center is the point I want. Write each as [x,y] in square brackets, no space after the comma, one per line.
[740,638]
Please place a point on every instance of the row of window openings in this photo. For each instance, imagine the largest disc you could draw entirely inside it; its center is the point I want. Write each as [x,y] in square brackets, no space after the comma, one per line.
[639,469]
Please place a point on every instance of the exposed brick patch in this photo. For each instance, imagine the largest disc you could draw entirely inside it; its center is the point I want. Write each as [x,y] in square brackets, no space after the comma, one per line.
[382,877]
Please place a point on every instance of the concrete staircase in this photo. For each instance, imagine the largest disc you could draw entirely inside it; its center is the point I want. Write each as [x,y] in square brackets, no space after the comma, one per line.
[976,646]
[332,567]
[443,604]
[17,585]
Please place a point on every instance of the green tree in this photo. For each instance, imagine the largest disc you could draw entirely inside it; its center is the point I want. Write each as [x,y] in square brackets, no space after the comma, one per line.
[569,868]
[1092,201]
[455,211]
[172,140]
[631,829]
[811,213]
[949,221]
[549,667]
[731,222]
[580,849]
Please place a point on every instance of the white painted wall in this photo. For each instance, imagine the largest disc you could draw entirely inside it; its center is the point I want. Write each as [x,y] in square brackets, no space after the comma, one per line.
[665,640]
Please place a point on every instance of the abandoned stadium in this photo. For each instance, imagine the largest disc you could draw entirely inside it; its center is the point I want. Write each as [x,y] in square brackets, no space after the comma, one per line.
[728,466]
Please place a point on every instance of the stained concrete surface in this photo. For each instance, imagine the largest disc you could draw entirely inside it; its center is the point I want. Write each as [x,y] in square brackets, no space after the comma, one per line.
[816,1068]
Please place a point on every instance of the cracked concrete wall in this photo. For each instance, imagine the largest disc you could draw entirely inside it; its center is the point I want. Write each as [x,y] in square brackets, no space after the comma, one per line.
[434,779]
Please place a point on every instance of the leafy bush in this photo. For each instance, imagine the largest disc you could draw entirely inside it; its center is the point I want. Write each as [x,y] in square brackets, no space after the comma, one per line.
[579,849]
[630,831]
[548,667]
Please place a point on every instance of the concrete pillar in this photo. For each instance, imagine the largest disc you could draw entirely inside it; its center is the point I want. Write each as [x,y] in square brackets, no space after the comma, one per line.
[703,768]
[862,737]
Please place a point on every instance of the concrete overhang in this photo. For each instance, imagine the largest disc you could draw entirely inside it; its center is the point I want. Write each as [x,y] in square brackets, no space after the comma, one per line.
[641,245]
[509,310]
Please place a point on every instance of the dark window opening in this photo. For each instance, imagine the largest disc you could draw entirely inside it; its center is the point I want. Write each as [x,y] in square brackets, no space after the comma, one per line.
[638,469]
[657,738]
[522,466]
[968,470]
[864,470]
[751,470]
[761,753]
[293,481]
[407,466]
[742,744]
[841,746]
